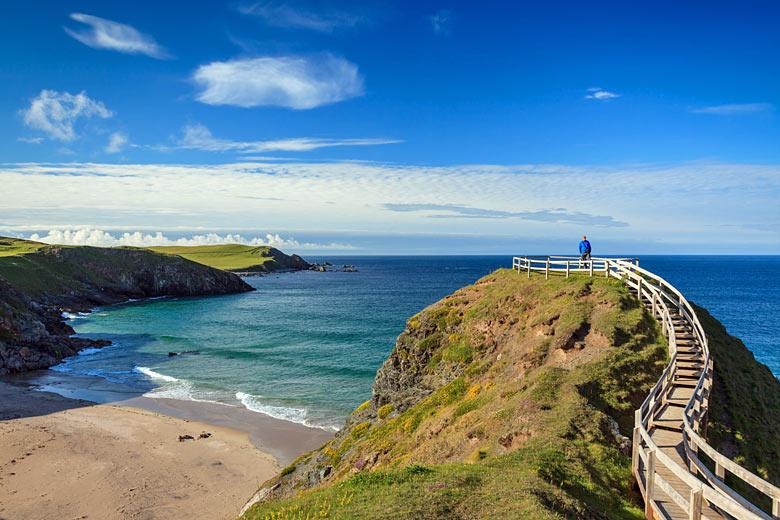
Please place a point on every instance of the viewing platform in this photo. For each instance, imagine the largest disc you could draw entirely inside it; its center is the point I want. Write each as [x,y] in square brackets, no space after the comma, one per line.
[670,426]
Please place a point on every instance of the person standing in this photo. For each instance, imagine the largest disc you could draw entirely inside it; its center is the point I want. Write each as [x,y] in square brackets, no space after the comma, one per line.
[584,248]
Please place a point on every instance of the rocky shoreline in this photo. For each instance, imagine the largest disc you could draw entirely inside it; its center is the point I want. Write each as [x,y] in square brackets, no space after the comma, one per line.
[55,280]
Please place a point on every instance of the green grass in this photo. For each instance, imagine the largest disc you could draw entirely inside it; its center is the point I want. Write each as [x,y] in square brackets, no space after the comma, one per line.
[235,257]
[511,486]
[16,246]
[228,257]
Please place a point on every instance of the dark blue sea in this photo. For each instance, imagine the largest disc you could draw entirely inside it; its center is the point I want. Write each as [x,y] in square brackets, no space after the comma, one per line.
[306,346]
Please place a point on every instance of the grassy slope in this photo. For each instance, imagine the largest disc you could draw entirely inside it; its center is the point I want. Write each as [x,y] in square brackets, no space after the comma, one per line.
[16,246]
[24,267]
[744,420]
[25,264]
[33,268]
[230,257]
[519,431]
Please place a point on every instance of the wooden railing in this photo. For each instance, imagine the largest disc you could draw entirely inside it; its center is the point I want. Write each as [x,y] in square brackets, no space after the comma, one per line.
[701,485]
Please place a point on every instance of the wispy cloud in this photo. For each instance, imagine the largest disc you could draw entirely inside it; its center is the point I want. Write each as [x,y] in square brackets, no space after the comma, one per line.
[461,211]
[442,21]
[57,112]
[734,109]
[298,82]
[338,198]
[30,140]
[198,137]
[283,15]
[603,95]
[116,142]
[101,238]
[105,34]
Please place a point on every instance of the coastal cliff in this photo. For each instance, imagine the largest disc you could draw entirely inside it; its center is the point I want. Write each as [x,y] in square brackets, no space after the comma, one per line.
[38,283]
[514,398]
[510,398]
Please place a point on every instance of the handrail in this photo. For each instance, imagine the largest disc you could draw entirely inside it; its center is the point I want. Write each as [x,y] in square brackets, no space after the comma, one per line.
[665,300]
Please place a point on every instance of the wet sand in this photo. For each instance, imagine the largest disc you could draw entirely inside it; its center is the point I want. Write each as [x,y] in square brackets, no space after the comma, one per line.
[72,459]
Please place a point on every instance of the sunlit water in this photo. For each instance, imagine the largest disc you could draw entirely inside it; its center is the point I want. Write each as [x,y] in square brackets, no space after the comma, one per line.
[306,346]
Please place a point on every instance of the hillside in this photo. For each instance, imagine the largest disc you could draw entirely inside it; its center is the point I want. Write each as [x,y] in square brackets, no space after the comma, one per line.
[506,399]
[237,257]
[39,282]
[513,398]
[744,421]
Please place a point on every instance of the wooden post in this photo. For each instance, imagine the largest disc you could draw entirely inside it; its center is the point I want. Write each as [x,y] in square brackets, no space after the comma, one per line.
[694,512]
[654,298]
[649,483]
[591,266]
[637,439]
[606,268]
[720,471]
[528,263]
[547,269]
[639,288]
[567,268]
[775,507]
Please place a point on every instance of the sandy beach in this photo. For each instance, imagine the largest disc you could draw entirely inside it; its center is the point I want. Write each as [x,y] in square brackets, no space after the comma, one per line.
[70,459]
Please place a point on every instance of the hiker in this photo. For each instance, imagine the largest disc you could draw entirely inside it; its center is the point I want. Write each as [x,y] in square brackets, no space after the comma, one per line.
[584,249]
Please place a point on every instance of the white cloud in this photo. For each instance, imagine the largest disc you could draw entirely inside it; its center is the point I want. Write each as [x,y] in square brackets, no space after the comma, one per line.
[283,15]
[334,199]
[597,93]
[101,238]
[116,142]
[199,137]
[298,82]
[734,109]
[56,113]
[442,21]
[105,34]
[30,140]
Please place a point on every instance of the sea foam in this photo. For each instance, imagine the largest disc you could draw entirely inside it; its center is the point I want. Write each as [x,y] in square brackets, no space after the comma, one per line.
[253,403]
[155,375]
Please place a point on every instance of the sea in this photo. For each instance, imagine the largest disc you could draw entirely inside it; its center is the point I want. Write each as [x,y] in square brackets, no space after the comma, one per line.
[305,346]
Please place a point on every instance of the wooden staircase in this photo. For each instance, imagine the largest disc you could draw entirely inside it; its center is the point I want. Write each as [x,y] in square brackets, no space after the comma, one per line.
[671,425]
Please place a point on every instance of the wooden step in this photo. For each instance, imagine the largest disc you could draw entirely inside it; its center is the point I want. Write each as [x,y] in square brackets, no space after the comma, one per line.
[668,424]
[685,383]
[688,366]
[687,377]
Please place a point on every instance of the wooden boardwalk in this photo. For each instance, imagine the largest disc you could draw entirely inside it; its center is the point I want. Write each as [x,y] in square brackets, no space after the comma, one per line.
[671,425]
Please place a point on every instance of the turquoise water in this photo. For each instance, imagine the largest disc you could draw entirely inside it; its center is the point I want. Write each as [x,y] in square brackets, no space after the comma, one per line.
[306,346]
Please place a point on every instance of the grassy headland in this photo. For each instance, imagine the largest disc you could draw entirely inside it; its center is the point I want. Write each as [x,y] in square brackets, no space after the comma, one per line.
[237,257]
[506,399]
[513,398]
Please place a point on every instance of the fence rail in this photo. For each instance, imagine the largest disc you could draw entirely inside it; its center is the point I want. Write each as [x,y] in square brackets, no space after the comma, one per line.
[700,492]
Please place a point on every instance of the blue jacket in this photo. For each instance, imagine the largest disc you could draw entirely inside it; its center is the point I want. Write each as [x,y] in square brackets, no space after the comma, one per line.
[584,247]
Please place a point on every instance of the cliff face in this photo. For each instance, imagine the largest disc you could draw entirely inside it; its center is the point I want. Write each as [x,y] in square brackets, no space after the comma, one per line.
[510,398]
[37,286]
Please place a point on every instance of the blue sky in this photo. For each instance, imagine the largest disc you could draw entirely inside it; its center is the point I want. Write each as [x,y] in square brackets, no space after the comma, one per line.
[367,127]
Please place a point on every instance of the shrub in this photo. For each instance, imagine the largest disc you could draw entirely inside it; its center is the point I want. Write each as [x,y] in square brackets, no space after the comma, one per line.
[360,430]
[385,411]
